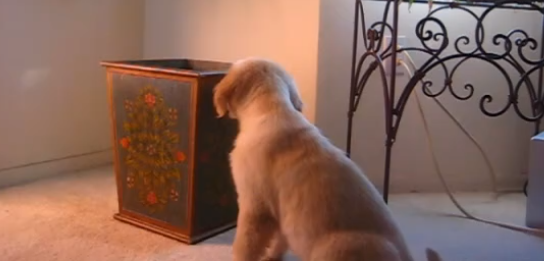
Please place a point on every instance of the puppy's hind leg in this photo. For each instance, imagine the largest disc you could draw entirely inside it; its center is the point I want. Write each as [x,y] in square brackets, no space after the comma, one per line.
[253,232]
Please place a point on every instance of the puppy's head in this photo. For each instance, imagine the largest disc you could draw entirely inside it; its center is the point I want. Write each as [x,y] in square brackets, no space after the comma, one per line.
[251,79]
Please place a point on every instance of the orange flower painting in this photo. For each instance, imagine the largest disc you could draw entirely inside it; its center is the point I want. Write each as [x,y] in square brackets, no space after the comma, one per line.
[180,156]
[150,99]
[152,198]
[125,143]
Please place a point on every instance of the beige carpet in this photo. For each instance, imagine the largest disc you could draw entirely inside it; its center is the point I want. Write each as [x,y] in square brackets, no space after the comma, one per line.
[69,218]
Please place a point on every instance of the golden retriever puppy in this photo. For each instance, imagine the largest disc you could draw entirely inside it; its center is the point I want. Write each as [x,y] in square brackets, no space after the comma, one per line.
[296,190]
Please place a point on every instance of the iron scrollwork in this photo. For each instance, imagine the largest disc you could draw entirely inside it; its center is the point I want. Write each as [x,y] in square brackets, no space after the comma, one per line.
[515,46]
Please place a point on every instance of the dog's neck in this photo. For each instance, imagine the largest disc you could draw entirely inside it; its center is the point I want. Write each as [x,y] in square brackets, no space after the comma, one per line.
[258,112]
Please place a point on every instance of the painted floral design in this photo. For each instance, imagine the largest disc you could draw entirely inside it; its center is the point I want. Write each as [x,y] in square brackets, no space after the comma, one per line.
[152,149]
[125,143]
[130,181]
[173,113]
[128,105]
[174,195]
[150,99]
[152,198]
[180,156]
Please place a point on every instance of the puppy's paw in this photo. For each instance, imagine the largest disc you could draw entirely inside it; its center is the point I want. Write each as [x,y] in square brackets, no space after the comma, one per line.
[272,259]
[432,255]
[271,256]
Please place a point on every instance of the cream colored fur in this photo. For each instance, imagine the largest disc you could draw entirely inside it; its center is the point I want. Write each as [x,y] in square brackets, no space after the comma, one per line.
[295,189]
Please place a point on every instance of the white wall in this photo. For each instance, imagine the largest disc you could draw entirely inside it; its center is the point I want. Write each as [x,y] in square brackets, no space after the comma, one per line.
[226,30]
[53,99]
[53,96]
[505,139]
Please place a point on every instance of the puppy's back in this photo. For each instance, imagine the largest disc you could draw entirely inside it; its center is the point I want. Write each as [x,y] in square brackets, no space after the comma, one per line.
[320,190]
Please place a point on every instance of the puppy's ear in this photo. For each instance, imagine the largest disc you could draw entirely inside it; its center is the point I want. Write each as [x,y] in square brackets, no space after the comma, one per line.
[222,95]
[289,82]
[295,99]
[235,87]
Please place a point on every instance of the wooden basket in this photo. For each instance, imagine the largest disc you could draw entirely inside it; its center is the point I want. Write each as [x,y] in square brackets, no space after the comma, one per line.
[171,150]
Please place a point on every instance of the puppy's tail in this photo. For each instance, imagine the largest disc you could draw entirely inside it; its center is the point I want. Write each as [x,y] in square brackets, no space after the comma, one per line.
[432,255]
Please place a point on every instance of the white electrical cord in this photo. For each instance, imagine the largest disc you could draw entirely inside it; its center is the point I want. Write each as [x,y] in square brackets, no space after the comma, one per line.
[437,167]
[492,174]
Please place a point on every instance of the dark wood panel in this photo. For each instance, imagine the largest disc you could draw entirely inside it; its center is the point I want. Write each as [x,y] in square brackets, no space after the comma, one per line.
[215,195]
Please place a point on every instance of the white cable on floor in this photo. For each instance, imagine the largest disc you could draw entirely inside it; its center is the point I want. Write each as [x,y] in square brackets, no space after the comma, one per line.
[437,167]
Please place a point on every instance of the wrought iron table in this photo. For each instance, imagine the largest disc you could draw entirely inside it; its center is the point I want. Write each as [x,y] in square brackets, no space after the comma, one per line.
[394,106]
